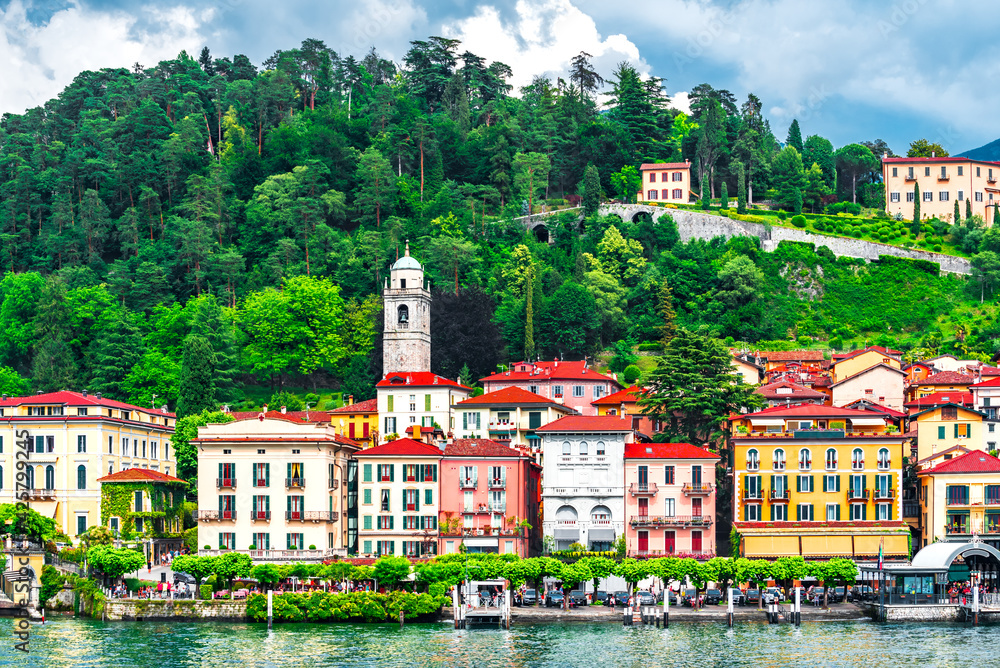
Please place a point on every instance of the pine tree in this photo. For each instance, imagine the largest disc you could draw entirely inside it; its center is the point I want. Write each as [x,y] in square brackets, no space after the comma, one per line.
[915,228]
[725,195]
[529,320]
[209,323]
[591,190]
[958,214]
[465,376]
[795,135]
[968,208]
[117,348]
[666,310]
[197,391]
[797,200]
[741,188]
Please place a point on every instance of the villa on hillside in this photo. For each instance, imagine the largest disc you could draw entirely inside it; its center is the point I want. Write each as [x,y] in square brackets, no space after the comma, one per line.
[942,182]
[665,182]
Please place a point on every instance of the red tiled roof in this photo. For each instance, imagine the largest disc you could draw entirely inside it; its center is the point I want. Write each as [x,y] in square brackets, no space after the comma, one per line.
[403,447]
[875,408]
[770,391]
[68,398]
[792,355]
[507,396]
[947,378]
[587,423]
[939,398]
[628,396]
[664,165]
[141,475]
[417,379]
[971,462]
[989,371]
[480,447]
[555,370]
[807,410]
[840,357]
[666,451]
[369,406]
[937,455]
[939,159]
[290,416]
[993,382]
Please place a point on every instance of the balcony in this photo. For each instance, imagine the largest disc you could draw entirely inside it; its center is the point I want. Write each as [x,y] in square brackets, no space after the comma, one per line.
[991,179]
[44,493]
[956,529]
[943,178]
[260,516]
[754,495]
[697,488]
[268,556]
[260,482]
[675,521]
[854,494]
[910,177]
[779,495]
[333,483]
[502,427]
[642,489]
[295,482]
[467,483]
[885,494]
[222,483]
[222,515]
[957,501]
[993,500]
[311,515]
[499,483]
[498,507]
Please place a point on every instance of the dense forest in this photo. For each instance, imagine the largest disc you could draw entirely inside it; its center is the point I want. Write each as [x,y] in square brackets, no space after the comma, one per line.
[176,233]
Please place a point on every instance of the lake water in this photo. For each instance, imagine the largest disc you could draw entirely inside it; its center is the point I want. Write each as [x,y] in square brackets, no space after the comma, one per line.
[74,642]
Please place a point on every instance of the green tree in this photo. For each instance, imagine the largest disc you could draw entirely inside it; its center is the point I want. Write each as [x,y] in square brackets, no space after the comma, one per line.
[916,225]
[741,189]
[627,183]
[818,150]
[196,566]
[853,161]
[921,148]
[185,430]
[115,562]
[725,196]
[569,324]
[958,213]
[591,190]
[789,176]
[115,350]
[529,322]
[266,574]
[665,309]
[795,136]
[376,190]
[232,565]
[968,209]
[389,570]
[197,387]
[693,389]
[531,175]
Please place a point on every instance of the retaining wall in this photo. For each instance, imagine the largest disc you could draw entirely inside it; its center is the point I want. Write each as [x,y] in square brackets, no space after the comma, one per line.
[217,610]
[917,613]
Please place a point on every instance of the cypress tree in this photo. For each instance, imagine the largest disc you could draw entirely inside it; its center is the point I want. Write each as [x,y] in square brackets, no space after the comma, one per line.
[741,188]
[591,190]
[915,228]
[797,200]
[795,136]
[958,213]
[529,319]
[725,195]
[665,308]
[197,390]
[968,208]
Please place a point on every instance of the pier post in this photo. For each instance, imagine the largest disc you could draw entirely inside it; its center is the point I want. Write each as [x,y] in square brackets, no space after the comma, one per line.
[270,607]
[454,605]
[975,604]
[729,609]
[666,607]
[798,606]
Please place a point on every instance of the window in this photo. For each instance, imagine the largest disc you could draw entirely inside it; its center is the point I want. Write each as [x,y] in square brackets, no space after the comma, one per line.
[81,443]
[598,391]
[943,196]
[957,495]
[50,477]
[804,483]
[111,445]
[779,512]
[294,541]
[468,476]
[804,512]
[779,460]
[498,502]
[583,448]
[81,524]
[677,193]
[385,501]
[428,497]
[979,197]
[944,172]
[894,197]
[653,194]
[411,499]
[677,176]
[941,433]
[883,459]
[753,512]
[663,177]
[928,196]
[81,477]
[384,522]
[410,472]
[927,171]
[669,507]
[909,197]
[962,430]
[262,541]
[857,459]
[533,389]
[367,524]
[366,473]
[753,460]
[805,459]
[154,449]
[895,171]
[557,391]
[403,315]
[961,194]
[832,512]
[578,390]
[599,449]
[566,449]
[386,473]
[909,172]
[261,507]
[831,483]
[993,494]
[498,476]
[413,402]
[652,177]
[859,511]
[831,458]
[367,497]
[883,511]
[665,193]
[959,170]
[669,477]
[390,425]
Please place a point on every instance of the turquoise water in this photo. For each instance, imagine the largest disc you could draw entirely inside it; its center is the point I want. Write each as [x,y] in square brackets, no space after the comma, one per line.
[71,642]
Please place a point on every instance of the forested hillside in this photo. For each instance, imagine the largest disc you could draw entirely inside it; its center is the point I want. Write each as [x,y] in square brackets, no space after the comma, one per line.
[186,229]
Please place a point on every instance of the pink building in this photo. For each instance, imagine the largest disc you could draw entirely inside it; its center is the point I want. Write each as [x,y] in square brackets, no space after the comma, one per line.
[570,383]
[669,499]
[487,490]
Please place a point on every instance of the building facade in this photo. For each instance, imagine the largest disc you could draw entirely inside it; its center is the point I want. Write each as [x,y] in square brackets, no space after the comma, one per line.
[945,426]
[665,182]
[399,502]
[570,383]
[510,415]
[942,182]
[147,505]
[73,439]
[490,495]
[358,421]
[960,498]
[818,481]
[626,403]
[881,384]
[583,497]
[418,399]
[275,489]
[669,500]
[986,400]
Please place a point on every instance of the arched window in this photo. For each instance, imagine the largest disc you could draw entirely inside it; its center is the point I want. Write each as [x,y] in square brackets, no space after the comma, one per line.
[601,514]
[857,459]
[567,448]
[600,448]
[403,314]
[566,514]
[81,477]
[779,460]
[831,458]
[753,460]
[805,459]
[584,448]
[883,459]
[29,477]
[50,477]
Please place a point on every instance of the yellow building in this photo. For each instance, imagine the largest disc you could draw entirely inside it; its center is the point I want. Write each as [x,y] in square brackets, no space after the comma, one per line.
[860,360]
[357,421]
[961,497]
[942,427]
[945,381]
[73,439]
[665,182]
[818,481]
[942,181]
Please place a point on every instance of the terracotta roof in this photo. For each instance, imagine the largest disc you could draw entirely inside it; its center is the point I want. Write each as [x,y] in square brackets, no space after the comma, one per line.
[68,398]
[989,371]
[141,475]
[993,382]
[940,398]
[369,406]
[403,447]
[289,416]
[322,438]
[555,370]
[480,447]
[947,378]
[971,462]
[587,423]
[875,407]
[417,379]
[959,406]
[628,396]
[839,357]
[792,355]
[666,451]
[770,391]
[664,165]
[807,410]
[922,159]
[508,396]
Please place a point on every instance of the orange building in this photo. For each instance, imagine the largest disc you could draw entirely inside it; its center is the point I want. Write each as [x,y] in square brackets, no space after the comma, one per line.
[665,182]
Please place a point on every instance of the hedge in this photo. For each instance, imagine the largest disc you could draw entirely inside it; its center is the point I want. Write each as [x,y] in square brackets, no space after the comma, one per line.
[361,606]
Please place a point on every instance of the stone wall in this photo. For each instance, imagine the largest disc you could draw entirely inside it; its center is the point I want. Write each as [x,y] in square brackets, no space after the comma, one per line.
[916,613]
[181,610]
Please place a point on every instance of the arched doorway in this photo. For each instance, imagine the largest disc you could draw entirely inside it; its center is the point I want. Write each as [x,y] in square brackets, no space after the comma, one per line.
[601,536]
[541,233]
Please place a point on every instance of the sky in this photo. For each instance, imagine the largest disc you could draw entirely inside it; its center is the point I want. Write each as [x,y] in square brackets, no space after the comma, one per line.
[850,71]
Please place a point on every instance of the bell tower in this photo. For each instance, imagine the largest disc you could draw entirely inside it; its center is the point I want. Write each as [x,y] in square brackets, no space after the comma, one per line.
[406,345]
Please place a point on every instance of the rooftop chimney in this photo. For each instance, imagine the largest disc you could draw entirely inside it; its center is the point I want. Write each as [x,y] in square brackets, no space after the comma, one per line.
[98,395]
[932,154]
[84,391]
[416,432]
[350,399]
[38,392]
[284,409]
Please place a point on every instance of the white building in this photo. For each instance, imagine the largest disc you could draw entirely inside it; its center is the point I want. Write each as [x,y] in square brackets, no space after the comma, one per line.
[279,485]
[583,491]
[986,400]
[510,416]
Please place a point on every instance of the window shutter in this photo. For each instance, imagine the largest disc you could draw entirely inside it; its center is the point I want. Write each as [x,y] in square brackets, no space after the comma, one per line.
[955,427]
[772,482]
[864,512]
[465,420]
[392,473]
[825,479]
[255,508]
[416,499]
[427,402]
[475,476]
[838,512]
[420,522]
[221,504]
[772,512]
[220,470]
[798,483]
[941,432]
[267,475]
[838,483]
[746,486]
[390,402]
[798,513]
[864,482]
[288,467]
[434,470]
[391,519]
[267,503]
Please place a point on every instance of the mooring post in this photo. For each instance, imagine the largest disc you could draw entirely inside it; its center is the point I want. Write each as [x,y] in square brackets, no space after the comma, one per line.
[798,606]
[270,607]
[666,607]
[729,608]
[401,615]
[975,604]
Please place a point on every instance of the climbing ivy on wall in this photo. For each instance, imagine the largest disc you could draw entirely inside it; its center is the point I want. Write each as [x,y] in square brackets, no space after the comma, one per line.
[116,501]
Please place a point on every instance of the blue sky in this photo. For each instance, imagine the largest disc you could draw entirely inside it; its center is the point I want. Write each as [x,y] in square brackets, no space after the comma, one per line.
[850,70]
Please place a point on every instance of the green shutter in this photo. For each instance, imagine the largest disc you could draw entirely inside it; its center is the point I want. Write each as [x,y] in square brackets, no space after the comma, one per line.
[220,471]
[390,403]
[746,486]
[416,499]
[427,402]
[465,420]
[428,497]
[434,471]
[772,485]
[864,482]
[798,483]
[267,475]
[368,526]
[220,505]
[368,496]
[367,473]
[825,486]
[838,512]
[837,478]
[864,511]
[288,470]
[772,511]
[941,433]
[955,426]
[798,513]
[391,522]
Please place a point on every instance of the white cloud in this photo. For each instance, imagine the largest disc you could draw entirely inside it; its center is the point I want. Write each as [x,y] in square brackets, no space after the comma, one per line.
[40,60]
[542,39]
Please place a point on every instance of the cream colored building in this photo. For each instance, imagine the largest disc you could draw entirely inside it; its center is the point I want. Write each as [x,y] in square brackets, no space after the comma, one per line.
[510,416]
[280,485]
[942,182]
[881,384]
[942,427]
[961,497]
[73,439]
[665,182]
[860,361]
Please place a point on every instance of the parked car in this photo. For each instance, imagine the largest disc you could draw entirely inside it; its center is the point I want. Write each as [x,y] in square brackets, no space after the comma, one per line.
[645,598]
[554,599]
[713,597]
[804,597]
[837,594]
[739,598]
[600,597]
[186,578]
[773,595]
[862,593]
[578,598]
[753,596]
[816,594]
[529,597]
[621,598]
[673,597]
[689,596]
